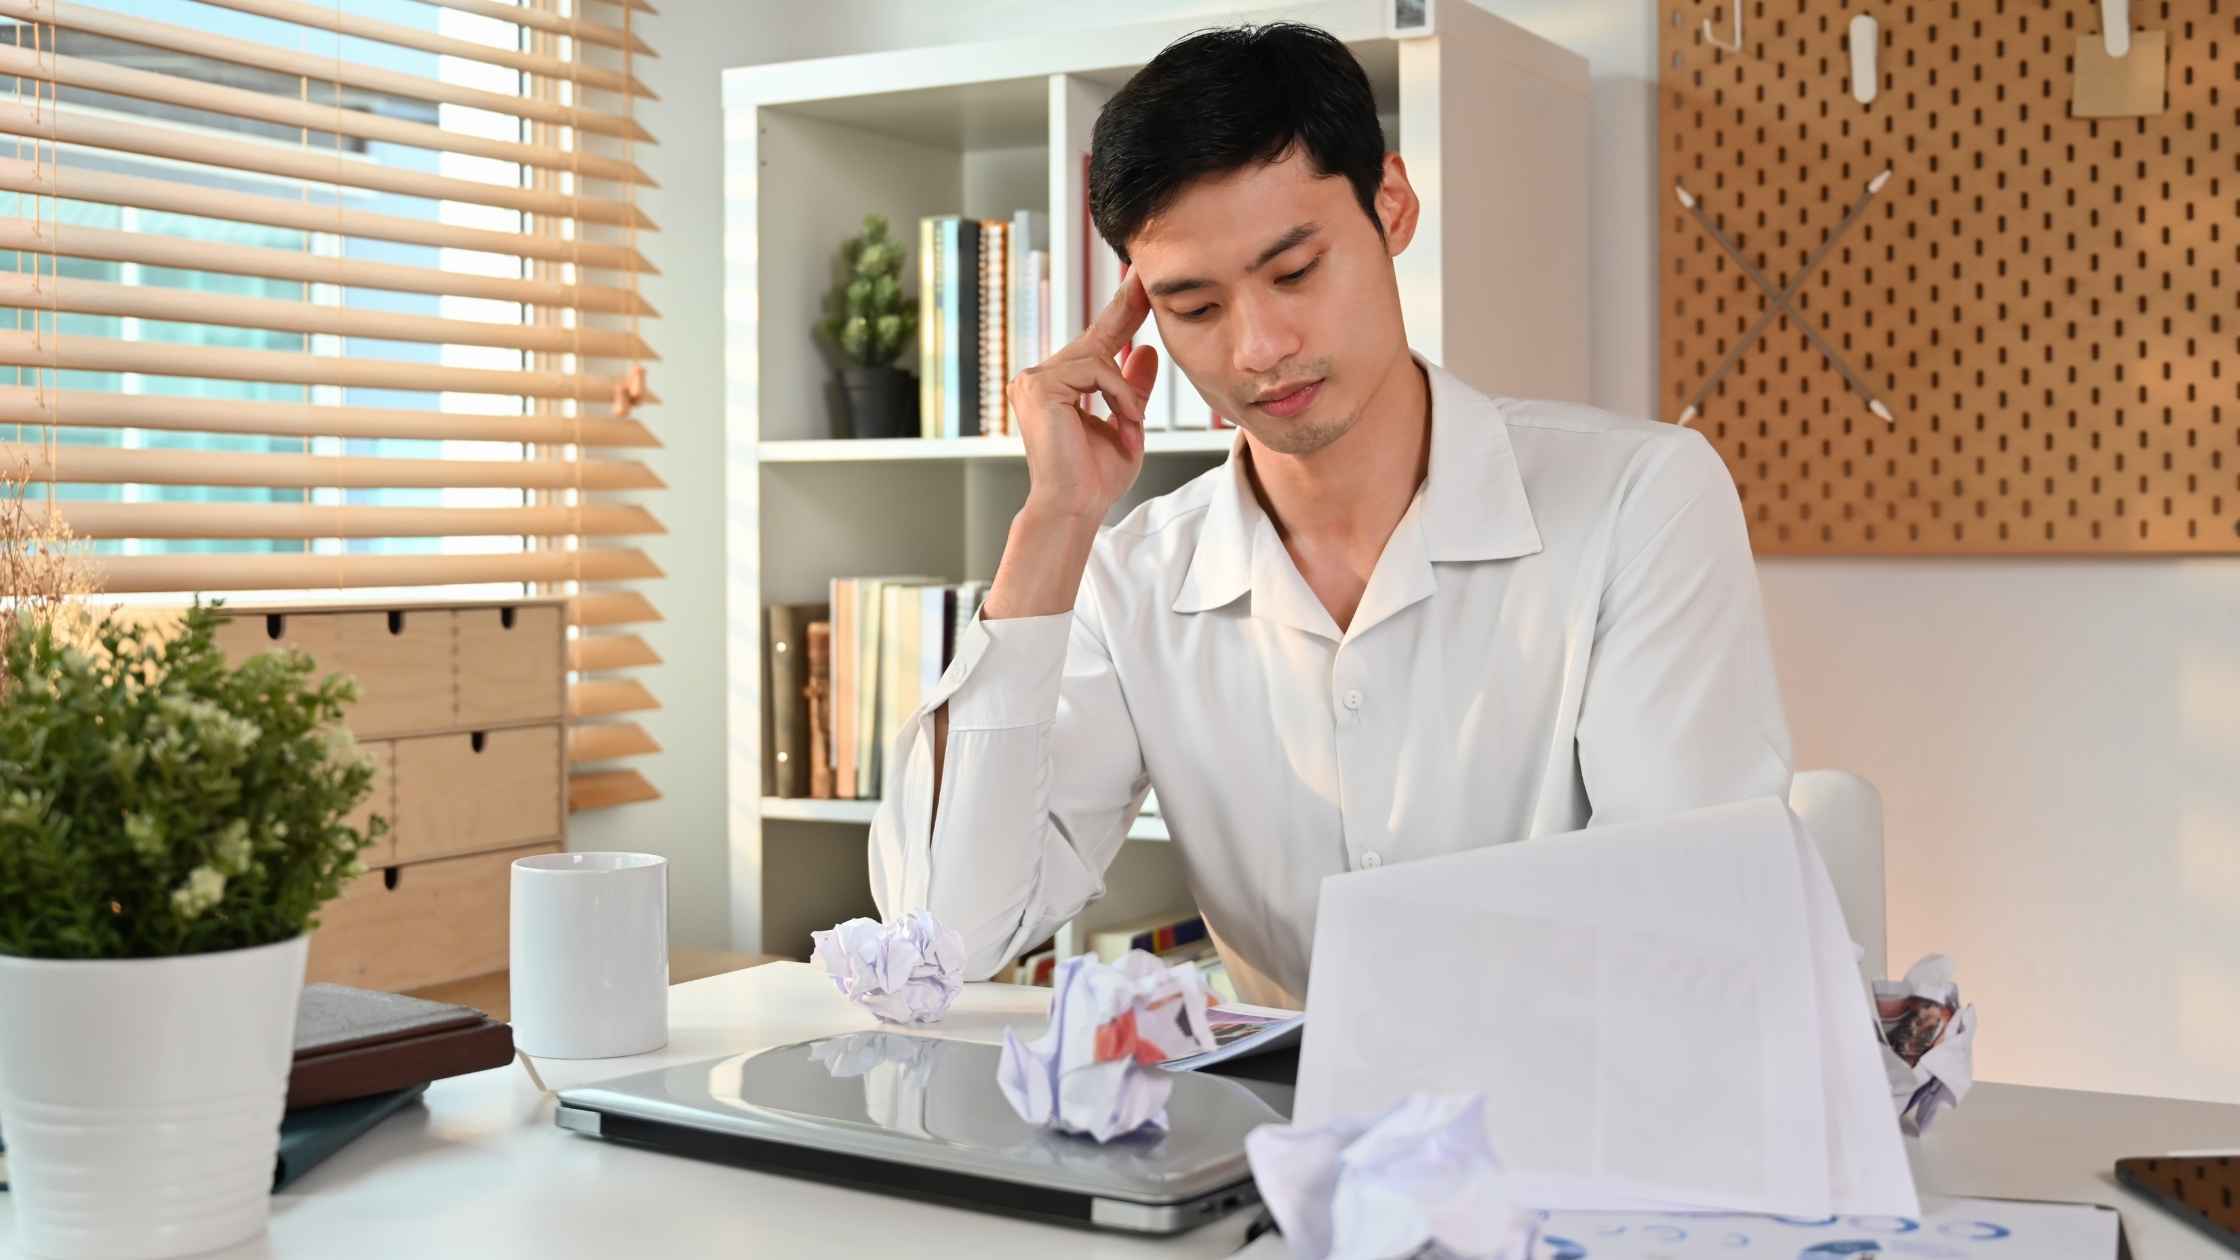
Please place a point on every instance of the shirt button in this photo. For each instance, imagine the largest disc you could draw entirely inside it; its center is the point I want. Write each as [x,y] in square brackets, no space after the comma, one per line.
[1371,860]
[1353,699]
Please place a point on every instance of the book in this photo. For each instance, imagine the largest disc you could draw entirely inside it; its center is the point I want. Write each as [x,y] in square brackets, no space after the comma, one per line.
[995,314]
[870,734]
[971,242]
[786,700]
[929,326]
[900,617]
[1029,242]
[309,1135]
[819,692]
[352,1043]
[844,666]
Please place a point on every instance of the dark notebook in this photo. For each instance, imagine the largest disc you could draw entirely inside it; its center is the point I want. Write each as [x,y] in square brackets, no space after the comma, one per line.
[354,1043]
[308,1136]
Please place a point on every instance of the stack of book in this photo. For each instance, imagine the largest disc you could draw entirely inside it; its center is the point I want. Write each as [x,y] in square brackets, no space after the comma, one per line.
[843,676]
[1176,936]
[983,315]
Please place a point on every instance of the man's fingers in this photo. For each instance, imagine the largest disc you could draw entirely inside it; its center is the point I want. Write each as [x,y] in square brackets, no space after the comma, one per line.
[1141,368]
[1069,376]
[1115,326]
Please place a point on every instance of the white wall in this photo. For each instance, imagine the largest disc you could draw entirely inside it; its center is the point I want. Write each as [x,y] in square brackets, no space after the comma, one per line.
[2057,742]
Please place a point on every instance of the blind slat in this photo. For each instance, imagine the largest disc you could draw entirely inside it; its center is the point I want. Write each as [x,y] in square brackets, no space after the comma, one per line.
[43,179]
[606,741]
[311,66]
[101,354]
[195,306]
[597,653]
[67,408]
[172,89]
[329,19]
[75,241]
[604,697]
[611,608]
[42,121]
[607,789]
[312,520]
[144,575]
[115,465]
[553,23]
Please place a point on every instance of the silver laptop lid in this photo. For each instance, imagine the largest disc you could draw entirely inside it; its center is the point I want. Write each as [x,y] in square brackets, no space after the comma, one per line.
[935,1103]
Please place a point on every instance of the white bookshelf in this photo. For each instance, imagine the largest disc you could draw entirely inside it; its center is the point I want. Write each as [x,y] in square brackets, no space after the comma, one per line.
[1491,121]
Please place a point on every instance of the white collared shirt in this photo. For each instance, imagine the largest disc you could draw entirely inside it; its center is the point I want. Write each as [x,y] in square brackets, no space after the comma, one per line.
[1563,630]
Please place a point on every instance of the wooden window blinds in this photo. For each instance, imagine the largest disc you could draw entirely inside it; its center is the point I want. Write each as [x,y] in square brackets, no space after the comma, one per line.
[341,295]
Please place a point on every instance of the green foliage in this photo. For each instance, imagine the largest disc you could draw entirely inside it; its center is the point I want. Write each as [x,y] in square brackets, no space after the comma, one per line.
[156,801]
[866,318]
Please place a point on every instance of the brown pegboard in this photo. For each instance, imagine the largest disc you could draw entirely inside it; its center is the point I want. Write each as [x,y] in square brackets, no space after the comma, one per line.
[2050,306]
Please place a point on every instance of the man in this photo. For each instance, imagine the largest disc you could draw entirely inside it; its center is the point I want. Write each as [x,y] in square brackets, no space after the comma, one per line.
[1403,619]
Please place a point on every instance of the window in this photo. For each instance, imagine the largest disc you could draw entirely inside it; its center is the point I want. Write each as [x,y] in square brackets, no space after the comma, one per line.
[314,297]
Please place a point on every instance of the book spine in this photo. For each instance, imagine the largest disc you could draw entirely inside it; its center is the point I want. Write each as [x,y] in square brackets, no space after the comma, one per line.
[929,308]
[951,598]
[770,701]
[868,592]
[951,306]
[819,697]
[844,638]
[787,710]
[898,667]
[966,360]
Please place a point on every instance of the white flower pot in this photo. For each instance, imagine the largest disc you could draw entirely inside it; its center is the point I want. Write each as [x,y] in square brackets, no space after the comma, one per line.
[141,1098]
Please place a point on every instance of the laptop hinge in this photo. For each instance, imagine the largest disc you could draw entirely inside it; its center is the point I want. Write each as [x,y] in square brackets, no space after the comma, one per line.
[577,1119]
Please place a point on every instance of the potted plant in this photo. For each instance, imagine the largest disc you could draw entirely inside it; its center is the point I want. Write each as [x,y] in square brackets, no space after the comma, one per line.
[867,323]
[169,827]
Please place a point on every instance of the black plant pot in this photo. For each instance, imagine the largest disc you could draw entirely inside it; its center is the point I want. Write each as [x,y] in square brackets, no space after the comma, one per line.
[882,401]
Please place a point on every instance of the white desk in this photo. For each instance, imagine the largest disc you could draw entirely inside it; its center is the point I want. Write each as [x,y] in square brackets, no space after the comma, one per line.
[482,1171]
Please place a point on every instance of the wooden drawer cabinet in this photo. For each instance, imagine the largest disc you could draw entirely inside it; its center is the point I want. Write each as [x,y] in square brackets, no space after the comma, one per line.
[477,790]
[381,801]
[401,660]
[511,665]
[461,709]
[419,923]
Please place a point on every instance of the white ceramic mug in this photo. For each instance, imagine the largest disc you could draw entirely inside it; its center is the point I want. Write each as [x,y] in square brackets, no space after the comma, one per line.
[589,954]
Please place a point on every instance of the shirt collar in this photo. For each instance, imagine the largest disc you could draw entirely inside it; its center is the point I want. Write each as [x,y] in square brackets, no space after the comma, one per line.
[1472,507]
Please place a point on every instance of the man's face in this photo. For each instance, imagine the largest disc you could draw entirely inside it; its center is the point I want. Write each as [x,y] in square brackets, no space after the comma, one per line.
[1275,296]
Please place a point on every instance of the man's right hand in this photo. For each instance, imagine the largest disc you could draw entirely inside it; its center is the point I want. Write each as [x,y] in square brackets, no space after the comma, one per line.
[1079,463]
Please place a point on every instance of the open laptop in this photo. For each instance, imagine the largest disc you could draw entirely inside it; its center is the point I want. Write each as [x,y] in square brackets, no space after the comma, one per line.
[923,1117]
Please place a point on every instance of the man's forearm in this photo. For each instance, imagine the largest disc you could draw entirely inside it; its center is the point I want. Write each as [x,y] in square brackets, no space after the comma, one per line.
[1043,560]
[1039,576]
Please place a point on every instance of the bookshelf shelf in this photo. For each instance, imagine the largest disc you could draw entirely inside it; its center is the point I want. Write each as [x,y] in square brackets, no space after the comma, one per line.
[903,450]
[1491,287]
[858,813]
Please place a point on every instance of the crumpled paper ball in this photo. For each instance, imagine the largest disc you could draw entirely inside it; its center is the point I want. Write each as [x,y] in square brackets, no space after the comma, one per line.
[904,973]
[1928,1041]
[1095,1070]
[1420,1180]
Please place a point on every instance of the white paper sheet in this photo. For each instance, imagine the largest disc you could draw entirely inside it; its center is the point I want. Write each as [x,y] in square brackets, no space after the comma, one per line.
[1647,1008]
[1947,1229]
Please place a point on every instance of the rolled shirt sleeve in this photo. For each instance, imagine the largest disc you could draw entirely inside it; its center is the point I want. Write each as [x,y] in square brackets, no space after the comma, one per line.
[1042,774]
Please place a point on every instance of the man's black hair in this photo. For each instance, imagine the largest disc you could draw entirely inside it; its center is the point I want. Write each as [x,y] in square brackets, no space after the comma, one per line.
[1219,100]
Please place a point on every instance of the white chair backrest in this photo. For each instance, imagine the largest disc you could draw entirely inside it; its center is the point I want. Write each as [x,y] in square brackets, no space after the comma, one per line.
[1842,813]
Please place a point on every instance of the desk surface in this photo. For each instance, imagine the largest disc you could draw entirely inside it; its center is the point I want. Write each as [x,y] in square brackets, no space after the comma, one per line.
[481,1170]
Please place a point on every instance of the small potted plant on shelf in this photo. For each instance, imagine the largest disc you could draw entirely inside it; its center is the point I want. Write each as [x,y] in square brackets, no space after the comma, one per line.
[866,325]
[169,827]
